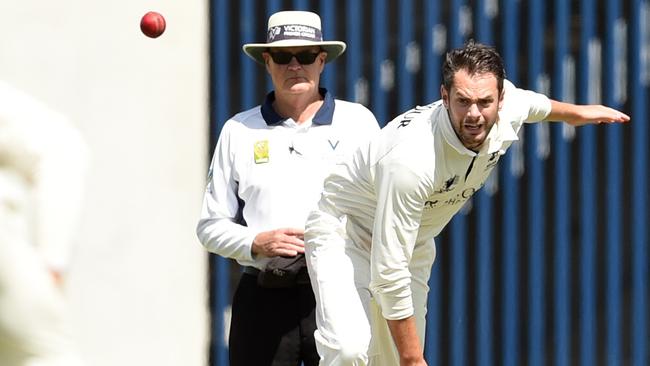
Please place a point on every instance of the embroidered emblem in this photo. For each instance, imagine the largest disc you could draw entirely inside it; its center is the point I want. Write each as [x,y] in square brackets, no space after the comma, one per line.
[492,162]
[293,150]
[430,204]
[273,32]
[261,151]
[449,185]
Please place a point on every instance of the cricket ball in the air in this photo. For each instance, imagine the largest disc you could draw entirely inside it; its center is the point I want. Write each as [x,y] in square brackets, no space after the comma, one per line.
[152,24]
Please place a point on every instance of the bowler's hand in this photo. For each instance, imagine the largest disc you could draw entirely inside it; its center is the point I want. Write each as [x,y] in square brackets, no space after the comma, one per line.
[281,242]
[578,115]
[600,114]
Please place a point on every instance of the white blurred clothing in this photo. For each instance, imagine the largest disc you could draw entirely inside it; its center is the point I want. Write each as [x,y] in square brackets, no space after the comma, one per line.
[42,169]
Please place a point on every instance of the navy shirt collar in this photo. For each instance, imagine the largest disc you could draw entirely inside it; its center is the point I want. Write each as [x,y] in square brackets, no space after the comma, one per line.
[323,116]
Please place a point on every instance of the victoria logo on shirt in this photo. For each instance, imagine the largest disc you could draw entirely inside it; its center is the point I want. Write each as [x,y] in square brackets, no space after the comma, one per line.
[333,145]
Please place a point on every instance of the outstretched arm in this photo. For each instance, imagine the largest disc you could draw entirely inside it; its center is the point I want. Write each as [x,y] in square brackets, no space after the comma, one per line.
[578,115]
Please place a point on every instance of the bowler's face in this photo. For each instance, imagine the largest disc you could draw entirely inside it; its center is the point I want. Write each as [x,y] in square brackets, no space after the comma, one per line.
[473,104]
[294,77]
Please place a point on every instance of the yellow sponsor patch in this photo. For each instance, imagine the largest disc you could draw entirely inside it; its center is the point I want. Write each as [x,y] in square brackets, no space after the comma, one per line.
[261,151]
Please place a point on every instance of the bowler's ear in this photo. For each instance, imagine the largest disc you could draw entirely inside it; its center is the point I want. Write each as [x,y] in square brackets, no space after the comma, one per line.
[445,96]
[503,93]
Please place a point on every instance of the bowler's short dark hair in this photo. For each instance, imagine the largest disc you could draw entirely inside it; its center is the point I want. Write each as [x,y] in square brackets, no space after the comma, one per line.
[475,58]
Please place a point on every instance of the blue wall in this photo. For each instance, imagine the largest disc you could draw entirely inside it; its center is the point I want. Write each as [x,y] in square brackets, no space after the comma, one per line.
[548,265]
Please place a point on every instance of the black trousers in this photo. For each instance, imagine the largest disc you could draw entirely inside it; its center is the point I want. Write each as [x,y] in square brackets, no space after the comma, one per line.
[272,327]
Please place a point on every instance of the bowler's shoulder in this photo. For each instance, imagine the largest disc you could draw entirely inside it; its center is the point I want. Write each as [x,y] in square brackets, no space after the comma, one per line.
[522,105]
[415,119]
[409,137]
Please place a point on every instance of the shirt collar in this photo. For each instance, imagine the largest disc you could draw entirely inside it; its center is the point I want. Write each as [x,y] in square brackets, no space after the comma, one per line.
[501,132]
[323,116]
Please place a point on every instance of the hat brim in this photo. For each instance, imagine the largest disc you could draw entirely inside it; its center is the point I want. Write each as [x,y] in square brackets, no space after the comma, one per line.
[334,49]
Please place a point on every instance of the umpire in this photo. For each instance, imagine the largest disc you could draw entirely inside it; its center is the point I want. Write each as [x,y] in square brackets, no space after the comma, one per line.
[266,174]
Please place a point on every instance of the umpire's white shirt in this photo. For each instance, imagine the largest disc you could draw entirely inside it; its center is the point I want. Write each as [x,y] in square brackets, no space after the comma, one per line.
[267,172]
[407,185]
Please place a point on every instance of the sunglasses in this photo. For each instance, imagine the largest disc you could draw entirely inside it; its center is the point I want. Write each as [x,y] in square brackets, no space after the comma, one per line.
[304,57]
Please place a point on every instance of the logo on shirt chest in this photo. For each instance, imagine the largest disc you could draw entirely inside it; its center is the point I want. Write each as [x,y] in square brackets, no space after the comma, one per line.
[293,150]
[492,162]
[449,185]
[440,200]
[261,151]
[316,149]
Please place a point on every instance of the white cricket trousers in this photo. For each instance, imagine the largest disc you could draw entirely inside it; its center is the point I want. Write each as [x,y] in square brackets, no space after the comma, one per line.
[32,312]
[351,329]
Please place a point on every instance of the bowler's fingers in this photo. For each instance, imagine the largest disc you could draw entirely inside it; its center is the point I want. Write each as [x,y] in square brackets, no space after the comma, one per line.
[610,115]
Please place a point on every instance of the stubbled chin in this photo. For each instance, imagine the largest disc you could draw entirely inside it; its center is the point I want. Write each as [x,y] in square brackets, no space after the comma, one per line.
[473,141]
[475,134]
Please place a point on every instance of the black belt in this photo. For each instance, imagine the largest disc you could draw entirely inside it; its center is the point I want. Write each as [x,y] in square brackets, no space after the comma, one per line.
[302,278]
[251,271]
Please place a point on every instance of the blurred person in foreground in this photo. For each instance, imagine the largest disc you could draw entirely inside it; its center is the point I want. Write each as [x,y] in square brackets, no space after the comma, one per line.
[42,173]
[266,175]
[370,245]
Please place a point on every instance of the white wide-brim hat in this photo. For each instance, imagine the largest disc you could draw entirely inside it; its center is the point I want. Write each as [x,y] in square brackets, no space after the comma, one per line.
[294,29]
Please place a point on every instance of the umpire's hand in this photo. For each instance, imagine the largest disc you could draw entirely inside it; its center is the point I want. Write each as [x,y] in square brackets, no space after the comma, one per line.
[286,242]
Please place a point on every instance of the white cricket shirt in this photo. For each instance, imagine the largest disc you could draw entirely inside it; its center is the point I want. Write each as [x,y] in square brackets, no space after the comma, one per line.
[401,190]
[267,172]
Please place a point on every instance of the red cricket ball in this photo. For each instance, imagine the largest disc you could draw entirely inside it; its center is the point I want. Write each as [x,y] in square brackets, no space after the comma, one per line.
[152,24]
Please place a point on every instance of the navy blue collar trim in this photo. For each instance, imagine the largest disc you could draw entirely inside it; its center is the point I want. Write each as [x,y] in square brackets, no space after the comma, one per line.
[324,115]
